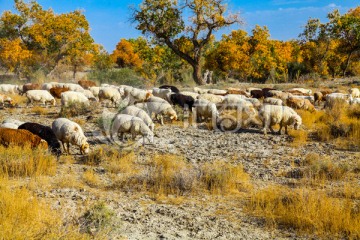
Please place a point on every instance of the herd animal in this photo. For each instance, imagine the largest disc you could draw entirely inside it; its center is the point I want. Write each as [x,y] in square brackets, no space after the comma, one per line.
[144,107]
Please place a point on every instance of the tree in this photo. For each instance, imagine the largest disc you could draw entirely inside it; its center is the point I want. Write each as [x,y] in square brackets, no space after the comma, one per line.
[164,21]
[124,55]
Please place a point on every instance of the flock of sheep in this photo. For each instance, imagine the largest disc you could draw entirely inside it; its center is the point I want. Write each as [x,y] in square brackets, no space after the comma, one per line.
[138,109]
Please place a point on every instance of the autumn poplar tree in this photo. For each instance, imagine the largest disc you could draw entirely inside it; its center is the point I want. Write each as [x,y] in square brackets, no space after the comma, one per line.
[167,21]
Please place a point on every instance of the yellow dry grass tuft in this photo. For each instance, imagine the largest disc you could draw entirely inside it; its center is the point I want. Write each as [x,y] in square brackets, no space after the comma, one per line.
[21,162]
[307,211]
[40,110]
[91,179]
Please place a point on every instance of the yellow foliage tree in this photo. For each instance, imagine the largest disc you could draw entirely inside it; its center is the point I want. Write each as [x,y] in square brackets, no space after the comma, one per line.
[125,56]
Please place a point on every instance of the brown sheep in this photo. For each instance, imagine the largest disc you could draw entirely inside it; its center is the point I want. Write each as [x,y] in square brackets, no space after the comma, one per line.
[21,137]
[30,86]
[57,91]
[297,103]
[231,90]
[320,96]
[86,84]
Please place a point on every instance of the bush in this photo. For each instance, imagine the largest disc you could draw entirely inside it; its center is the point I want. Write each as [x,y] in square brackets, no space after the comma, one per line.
[122,76]
[97,218]
[74,109]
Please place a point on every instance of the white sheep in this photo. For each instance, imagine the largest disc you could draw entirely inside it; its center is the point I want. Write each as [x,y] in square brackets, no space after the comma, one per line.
[354,92]
[217,92]
[231,101]
[273,101]
[255,102]
[200,90]
[69,132]
[95,91]
[89,95]
[333,97]
[303,90]
[111,94]
[47,86]
[5,99]
[140,113]
[355,101]
[211,97]
[161,109]
[204,109]
[73,97]
[162,93]
[136,95]
[123,123]
[41,96]
[74,87]
[9,125]
[10,88]
[191,94]
[13,121]
[279,94]
[283,115]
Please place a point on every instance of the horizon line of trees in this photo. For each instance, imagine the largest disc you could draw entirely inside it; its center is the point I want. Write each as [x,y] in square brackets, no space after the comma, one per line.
[34,39]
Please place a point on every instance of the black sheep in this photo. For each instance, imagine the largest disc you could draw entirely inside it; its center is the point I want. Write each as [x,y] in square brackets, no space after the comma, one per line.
[257,94]
[182,100]
[173,88]
[45,133]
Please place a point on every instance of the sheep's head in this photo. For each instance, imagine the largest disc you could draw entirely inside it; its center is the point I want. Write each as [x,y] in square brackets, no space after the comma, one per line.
[53,102]
[172,114]
[298,122]
[84,148]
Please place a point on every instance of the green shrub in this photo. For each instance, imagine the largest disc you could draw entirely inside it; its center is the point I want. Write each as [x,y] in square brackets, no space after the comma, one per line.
[122,76]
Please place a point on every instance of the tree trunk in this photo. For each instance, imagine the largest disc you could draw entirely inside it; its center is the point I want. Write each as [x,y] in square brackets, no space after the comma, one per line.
[197,74]
[347,63]
[74,71]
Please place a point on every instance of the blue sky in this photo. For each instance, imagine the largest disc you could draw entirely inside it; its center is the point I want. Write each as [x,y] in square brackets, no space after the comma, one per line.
[109,19]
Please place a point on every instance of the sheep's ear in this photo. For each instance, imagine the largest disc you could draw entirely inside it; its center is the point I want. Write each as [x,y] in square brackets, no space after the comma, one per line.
[76,128]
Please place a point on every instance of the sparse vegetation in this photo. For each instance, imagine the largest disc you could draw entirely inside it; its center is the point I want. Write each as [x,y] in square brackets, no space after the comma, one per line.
[74,109]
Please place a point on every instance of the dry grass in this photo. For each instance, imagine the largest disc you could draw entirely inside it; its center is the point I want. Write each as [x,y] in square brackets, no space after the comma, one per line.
[307,211]
[21,162]
[40,110]
[23,216]
[18,99]
[74,109]
[91,179]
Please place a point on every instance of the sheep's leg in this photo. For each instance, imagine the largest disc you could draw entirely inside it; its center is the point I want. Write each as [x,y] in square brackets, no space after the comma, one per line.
[286,131]
[161,119]
[279,132]
[64,146]
[122,136]
[68,147]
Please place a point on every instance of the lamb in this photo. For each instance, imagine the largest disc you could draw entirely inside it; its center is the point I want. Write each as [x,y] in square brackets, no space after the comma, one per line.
[297,103]
[283,115]
[5,100]
[29,86]
[162,93]
[9,89]
[138,112]
[86,84]
[354,92]
[73,97]
[111,94]
[173,88]
[21,138]
[191,94]
[68,132]
[41,96]
[205,109]
[57,91]
[160,109]
[212,98]
[45,133]
[182,100]
[273,101]
[124,123]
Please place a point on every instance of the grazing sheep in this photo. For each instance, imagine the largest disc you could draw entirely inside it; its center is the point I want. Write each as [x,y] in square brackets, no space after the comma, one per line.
[5,99]
[74,87]
[255,102]
[355,101]
[257,93]
[297,93]
[191,94]
[86,84]
[333,97]
[89,95]
[283,115]
[29,86]
[9,125]
[13,121]
[318,97]
[252,88]
[217,92]
[278,94]
[302,90]
[95,91]
[212,98]
[205,110]
[47,86]
[231,90]
[57,91]
[140,113]
[9,89]
[182,100]
[73,97]
[310,98]
[162,93]
[273,101]
[354,92]
[136,95]
[45,133]
[200,90]
[41,96]
[173,88]
[231,101]
[21,138]
[68,132]
[111,94]
[123,123]
[161,109]
[299,103]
